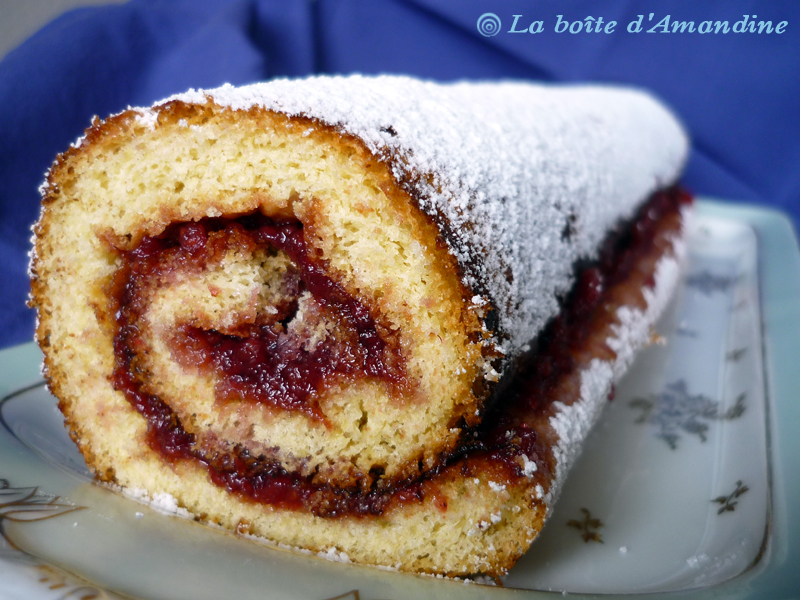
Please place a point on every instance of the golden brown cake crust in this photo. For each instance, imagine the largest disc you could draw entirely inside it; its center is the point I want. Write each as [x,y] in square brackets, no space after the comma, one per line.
[392,477]
[448,293]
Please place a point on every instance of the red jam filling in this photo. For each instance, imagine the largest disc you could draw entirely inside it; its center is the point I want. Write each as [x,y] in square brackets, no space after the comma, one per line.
[263,361]
[250,361]
[552,358]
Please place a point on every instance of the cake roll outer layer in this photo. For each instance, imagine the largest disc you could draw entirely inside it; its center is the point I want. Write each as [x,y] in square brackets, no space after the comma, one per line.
[513,184]
[474,518]
[505,169]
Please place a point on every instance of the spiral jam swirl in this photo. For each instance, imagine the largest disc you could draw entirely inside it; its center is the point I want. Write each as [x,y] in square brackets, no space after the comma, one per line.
[268,359]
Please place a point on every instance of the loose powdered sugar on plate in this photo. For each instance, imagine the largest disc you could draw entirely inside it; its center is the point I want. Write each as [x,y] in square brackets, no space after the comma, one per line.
[162,502]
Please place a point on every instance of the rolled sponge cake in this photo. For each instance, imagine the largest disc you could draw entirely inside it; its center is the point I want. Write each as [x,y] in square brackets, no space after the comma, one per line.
[297,306]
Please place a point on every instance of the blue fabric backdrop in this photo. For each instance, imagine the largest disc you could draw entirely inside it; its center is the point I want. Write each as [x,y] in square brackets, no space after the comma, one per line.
[738,93]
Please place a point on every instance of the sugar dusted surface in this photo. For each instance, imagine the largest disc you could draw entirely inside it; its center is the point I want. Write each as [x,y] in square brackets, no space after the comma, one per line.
[504,168]
[572,423]
[161,501]
[503,216]
[528,466]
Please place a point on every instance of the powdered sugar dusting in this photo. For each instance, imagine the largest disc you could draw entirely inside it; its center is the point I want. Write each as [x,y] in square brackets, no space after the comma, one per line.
[163,502]
[147,118]
[334,555]
[572,423]
[528,466]
[496,487]
[503,168]
[633,331]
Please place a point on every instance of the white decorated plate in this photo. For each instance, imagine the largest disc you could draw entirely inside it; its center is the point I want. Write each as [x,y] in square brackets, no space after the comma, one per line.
[686,488]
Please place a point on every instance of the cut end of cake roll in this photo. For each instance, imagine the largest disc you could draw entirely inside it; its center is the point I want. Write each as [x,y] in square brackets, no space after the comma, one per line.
[364,315]
[283,292]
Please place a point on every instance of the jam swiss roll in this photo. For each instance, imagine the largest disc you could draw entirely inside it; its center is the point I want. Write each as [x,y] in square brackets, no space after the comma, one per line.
[372,317]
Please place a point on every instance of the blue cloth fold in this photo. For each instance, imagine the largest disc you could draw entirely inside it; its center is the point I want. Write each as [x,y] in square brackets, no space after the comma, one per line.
[737,93]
